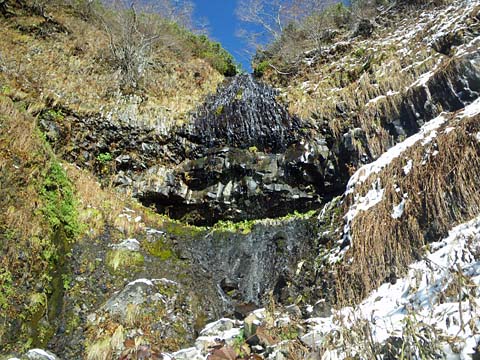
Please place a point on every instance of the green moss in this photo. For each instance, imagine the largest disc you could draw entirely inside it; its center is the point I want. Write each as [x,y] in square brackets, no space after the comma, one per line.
[239,95]
[243,227]
[6,288]
[159,249]
[219,110]
[104,157]
[60,206]
[360,52]
[56,115]
[289,333]
[119,261]
[181,230]
[5,90]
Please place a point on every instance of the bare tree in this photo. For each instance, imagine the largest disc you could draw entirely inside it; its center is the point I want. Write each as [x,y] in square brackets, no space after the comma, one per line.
[135,31]
[266,20]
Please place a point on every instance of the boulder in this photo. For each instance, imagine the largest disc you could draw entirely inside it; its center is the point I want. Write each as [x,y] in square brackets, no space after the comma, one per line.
[39,354]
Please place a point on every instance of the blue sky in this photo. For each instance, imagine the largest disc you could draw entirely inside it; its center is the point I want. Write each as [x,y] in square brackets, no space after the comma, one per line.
[223,25]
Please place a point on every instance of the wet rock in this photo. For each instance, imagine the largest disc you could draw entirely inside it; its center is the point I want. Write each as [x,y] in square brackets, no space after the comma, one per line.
[258,259]
[237,185]
[244,113]
[364,28]
[39,354]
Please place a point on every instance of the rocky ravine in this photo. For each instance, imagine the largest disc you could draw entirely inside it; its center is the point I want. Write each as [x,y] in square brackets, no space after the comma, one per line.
[242,157]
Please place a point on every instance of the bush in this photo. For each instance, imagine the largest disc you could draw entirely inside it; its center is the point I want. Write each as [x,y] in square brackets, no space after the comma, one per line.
[259,69]
[218,57]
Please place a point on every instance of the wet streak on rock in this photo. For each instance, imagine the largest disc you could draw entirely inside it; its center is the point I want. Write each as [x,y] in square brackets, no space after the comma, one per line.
[244,113]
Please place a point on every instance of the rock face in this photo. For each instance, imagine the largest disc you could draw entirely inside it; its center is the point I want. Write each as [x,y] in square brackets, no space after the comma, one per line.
[244,113]
[245,158]
[239,184]
[246,266]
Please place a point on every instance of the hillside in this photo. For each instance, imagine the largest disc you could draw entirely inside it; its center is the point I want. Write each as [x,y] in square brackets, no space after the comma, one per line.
[157,205]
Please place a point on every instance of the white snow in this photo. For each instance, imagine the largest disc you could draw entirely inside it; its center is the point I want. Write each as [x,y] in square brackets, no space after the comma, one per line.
[375,100]
[151,282]
[387,157]
[422,297]
[397,211]
[361,203]
[477,136]
[472,109]
[423,79]
[426,134]
[407,168]
[141,281]
[40,352]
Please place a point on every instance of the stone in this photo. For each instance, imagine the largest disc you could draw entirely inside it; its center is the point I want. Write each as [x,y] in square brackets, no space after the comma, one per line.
[293,310]
[39,354]
[321,309]
[187,354]
[218,327]
[250,325]
[136,292]
[128,244]
[364,28]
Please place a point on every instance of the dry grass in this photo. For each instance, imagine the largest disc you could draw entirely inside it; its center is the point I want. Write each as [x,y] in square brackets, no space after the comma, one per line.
[24,235]
[442,193]
[356,71]
[73,71]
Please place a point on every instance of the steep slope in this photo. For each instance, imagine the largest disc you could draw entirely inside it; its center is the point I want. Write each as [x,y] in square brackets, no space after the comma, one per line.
[416,129]
[366,157]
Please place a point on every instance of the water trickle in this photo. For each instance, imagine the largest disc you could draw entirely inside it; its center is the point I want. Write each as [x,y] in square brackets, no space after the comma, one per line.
[244,113]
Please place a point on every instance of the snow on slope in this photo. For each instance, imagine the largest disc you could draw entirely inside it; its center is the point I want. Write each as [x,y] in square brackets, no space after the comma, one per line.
[429,296]
[375,193]
[426,134]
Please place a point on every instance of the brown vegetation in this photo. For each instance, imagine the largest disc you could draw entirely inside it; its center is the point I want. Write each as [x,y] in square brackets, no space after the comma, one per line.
[441,194]
[73,69]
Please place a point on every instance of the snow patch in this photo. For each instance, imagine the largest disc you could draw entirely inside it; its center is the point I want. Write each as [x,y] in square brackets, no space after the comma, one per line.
[40,352]
[407,168]
[362,203]
[472,109]
[394,152]
[423,293]
[397,211]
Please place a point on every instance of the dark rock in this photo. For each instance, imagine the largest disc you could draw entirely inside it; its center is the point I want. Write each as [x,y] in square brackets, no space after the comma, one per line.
[444,43]
[321,309]
[364,28]
[244,113]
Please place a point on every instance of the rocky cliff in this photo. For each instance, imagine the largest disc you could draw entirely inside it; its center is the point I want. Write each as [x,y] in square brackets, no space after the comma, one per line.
[282,203]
